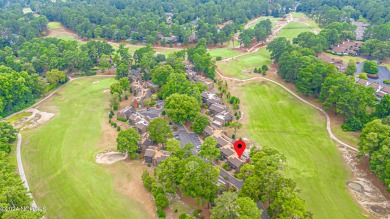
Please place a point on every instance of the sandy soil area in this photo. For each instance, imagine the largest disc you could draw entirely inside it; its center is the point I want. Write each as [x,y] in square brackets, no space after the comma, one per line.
[110,157]
[37,117]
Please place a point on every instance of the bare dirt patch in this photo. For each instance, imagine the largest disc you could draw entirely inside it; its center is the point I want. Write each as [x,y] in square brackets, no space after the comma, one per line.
[36,118]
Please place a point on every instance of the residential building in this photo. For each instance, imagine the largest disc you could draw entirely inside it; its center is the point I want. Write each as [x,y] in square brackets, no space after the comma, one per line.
[347,48]
[160,156]
[226,152]
[235,163]
[210,98]
[221,142]
[208,131]
[148,156]
[126,112]
[216,108]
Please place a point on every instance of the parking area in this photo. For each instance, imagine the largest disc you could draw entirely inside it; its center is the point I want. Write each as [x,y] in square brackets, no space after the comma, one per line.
[383,73]
[185,137]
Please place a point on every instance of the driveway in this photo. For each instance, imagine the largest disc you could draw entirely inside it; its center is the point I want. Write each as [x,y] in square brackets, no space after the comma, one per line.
[383,73]
[188,137]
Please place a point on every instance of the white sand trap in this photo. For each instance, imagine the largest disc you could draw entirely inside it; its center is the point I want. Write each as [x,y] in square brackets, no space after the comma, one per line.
[96,82]
[106,90]
[110,157]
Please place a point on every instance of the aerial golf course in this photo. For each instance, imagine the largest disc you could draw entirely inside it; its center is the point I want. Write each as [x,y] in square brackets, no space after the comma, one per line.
[59,159]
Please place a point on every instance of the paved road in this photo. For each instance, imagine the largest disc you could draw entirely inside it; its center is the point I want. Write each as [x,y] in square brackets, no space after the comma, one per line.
[329,130]
[383,73]
[18,145]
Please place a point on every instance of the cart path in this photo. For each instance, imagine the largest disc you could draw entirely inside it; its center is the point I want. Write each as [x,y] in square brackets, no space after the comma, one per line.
[19,142]
[329,130]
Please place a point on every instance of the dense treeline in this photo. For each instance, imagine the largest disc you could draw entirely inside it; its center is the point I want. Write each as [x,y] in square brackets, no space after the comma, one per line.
[18,90]
[329,11]
[260,32]
[123,19]
[13,194]
[41,55]
[264,181]
[375,141]
[16,27]
[316,78]
[202,60]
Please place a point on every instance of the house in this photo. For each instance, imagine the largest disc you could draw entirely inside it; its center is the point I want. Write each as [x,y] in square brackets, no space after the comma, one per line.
[360,28]
[226,152]
[171,39]
[145,144]
[221,142]
[142,126]
[362,82]
[216,108]
[347,48]
[235,163]
[380,95]
[160,156]
[148,156]
[210,98]
[192,38]
[141,93]
[126,112]
[208,131]
[376,86]
[224,117]
[385,89]
[206,81]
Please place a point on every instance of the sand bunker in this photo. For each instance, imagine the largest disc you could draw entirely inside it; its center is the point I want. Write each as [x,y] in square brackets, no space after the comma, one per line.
[37,117]
[365,192]
[106,90]
[96,82]
[110,157]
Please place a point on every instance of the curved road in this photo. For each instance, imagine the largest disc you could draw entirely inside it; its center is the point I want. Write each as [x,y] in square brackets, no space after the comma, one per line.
[330,133]
[19,143]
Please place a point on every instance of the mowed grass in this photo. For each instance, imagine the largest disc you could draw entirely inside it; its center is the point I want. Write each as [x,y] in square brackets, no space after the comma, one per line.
[54,25]
[277,119]
[59,158]
[27,10]
[293,29]
[246,62]
[272,19]
[223,52]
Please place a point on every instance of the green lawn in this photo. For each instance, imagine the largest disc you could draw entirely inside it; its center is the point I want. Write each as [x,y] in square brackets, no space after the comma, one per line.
[293,29]
[279,120]
[54,25]
[246,62]
[297,14]
[59,158]
[27,10]
[223,52]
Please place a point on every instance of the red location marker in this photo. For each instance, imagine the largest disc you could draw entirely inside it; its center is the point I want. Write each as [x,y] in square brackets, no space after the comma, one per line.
[239,147]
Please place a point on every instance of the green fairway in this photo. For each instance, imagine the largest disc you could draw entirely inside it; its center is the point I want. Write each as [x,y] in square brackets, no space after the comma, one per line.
[54,25]
[293,29]
[277,119]
[59,158]
[246,62]
[27,10]
[223,52]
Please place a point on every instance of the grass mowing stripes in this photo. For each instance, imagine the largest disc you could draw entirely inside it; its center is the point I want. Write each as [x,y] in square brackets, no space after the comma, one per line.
[59,157]
[277,119]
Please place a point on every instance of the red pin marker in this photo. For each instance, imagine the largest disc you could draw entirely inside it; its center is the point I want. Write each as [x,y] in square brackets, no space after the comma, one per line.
[239,147]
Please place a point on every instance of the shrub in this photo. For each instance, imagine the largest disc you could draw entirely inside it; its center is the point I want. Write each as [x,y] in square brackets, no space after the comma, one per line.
[115,107]
[160,213]
[122,119]
[176,210]
[234,136]
[363,76]
[264,73]
[163,113]
[197,212]
[126,97]
[183,216]
[225,166]
[115,125]
[218,58]
[386,81]
[148,165]
[118,128]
